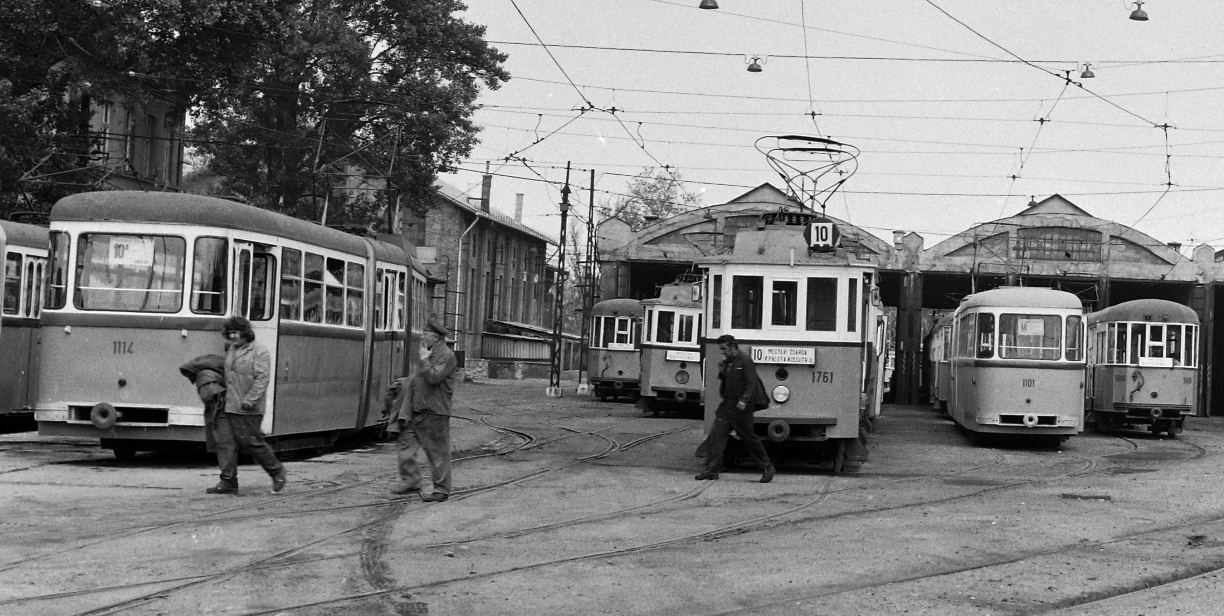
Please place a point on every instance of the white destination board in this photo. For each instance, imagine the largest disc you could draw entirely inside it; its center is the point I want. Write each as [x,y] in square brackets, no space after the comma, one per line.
[130,251]
[784,355]
[822,234]
[683,356]
[621,346]
[1030,327]
[1155,362]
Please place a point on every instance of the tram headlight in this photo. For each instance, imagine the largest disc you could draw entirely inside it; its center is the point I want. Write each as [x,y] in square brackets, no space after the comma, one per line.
[682,377]
[781,394]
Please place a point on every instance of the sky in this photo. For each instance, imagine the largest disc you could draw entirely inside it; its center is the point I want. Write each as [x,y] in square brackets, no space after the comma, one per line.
[962,110]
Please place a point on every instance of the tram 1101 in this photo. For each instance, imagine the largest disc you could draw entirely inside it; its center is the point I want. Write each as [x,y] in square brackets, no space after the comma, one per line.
[808,313]
[1143,366]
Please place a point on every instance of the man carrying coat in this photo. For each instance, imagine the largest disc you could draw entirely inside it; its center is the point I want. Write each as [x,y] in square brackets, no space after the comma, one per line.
[424,418]
[742,395]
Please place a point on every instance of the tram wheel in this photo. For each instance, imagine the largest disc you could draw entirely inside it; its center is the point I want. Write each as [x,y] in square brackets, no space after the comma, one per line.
[839,457]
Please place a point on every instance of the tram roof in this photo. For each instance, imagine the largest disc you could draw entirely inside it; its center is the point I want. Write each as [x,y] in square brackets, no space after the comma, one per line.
[188,209]
[22,234]
[774,245]
[1155,310]
[674,294]
[621,307]
[1023,297]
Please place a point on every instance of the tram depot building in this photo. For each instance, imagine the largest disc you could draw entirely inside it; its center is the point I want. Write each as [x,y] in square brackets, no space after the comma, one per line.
[1052,244]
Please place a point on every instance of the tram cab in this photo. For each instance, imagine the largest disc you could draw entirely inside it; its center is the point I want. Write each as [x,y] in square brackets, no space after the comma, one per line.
[1143,365]
[939,364]
[25,259]
[615,359]
[808,314]
[671,345]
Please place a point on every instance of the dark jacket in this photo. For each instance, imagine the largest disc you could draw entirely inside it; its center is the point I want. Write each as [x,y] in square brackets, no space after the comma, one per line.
[434,383]
[738,381]
[207,373]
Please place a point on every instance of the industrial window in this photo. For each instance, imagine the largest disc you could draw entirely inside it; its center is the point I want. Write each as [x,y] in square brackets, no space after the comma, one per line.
[1030,336]
[130,273]
[12,283]
[291,285]
[209,269]
[746,301]
[784,302]
[1058,244]
[821,304]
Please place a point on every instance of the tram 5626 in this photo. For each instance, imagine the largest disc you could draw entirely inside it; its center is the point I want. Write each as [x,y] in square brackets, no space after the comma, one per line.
[615,358]
[809,315]
[138,284]
[25,258]
[671,345]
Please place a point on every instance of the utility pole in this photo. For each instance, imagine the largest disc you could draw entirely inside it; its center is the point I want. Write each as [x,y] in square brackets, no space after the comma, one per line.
[554,375]
[588,299]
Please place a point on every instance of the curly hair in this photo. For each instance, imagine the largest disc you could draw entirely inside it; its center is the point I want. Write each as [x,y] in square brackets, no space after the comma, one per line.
[240,325]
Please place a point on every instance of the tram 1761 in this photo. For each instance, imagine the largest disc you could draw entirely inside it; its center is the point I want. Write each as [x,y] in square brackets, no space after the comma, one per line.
[809,315]
[614,360]
[25,258]
[671,345]
[139,282]
[1017,363]
[1143,366]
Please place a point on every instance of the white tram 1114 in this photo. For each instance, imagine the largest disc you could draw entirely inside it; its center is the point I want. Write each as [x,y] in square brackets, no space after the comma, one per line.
[139,283]
[808,313]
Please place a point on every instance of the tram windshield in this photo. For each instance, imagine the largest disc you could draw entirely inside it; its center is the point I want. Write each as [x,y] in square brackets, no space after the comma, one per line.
[614,333]
[1153,344]
[671,327]
[129,273]
[1030,336]
[12,283]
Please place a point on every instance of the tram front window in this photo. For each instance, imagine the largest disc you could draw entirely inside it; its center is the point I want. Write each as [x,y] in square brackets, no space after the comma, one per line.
[1030,336]
[747,301]
[1075,338]
[666,320]
[57,277]
[821,304]
[208,275]
[785,302]
[12,283]
[130,273]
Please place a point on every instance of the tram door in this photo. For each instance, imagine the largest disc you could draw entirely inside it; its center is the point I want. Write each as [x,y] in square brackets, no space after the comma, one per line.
[255,284]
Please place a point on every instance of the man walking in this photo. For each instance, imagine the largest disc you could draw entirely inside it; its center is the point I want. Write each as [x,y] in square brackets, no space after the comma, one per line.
[426,424]
[742,395]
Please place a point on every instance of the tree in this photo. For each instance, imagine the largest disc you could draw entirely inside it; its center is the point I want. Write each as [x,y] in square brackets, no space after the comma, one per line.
[57,55]
[340,88]
[650,193]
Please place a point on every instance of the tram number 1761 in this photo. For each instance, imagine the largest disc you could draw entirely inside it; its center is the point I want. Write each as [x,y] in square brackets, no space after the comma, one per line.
[821,376]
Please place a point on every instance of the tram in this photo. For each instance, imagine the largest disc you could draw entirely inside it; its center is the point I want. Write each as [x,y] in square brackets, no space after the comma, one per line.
[138,283]
[808,313]
[615,361]
[25,258]
[1018,364]
[672,370]
[1143,366]
[939,362]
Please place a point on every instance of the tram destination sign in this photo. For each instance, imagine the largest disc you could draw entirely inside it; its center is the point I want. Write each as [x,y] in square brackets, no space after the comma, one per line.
[683,356]
[784,355]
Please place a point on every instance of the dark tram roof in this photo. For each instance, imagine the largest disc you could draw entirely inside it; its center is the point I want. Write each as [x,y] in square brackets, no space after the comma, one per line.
[622,307]
[188,209]
[21,234]
[1154,310]
[1022,297]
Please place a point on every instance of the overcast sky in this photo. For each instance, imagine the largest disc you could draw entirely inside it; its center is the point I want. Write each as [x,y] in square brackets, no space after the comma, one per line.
[943,98]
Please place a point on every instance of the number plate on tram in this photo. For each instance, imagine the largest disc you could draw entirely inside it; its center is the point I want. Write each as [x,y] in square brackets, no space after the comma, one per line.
[683,356]
[784,355]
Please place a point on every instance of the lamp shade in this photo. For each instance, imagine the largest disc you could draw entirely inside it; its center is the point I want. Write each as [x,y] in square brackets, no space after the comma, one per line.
[708,4]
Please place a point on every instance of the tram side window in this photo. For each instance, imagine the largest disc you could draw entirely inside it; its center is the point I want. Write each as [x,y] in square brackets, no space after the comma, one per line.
[852,286]
[747,301]
[1101,352]
[666,321]
[624,330]
[130,273]
[1075,338]
[263,289]
[1117,343]
[821,304]
[686,331]
[380,299]
[1173,344]
[34,281]
[401,300]
[291,285]
[1138,339]
[716,303]
[57,279]
[354,296]
[334,281]
[312,289]
[12,283]
[1030,336]
[985,336]
[1191,346]
[208,275]
[785,303]
[1156,343]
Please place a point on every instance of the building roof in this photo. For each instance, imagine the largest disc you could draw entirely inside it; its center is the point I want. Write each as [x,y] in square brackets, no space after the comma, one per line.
[455,197]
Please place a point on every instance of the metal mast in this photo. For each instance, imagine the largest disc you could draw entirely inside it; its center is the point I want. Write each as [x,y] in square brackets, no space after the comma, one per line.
[588,298]
[554,375]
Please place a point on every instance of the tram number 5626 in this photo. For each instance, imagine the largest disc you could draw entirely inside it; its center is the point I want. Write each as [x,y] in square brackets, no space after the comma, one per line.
[122,347]
[1028,382]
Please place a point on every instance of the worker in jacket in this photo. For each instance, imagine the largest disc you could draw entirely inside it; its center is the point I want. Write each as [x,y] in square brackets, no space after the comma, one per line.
[742,395]
[425,423]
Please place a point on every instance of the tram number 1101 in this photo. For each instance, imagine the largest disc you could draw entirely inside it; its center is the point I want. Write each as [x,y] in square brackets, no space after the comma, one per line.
[1028,382]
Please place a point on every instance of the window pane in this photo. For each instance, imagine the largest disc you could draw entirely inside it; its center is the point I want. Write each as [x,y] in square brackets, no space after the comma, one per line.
[1075,330]
[649,327]
[136,273]
[1138,342]
[209,269]
[667,319]
[1156,341]
[852,304]
[354,307]
[263,291]
[821,304]
[1030,336]
[34,288]
[985,336]
[1192,346]
[747,301]
[291,285]
[12,283]
[686,328]
[784,304]
[57,285]
[716,304]
[1173,344]
[312,299]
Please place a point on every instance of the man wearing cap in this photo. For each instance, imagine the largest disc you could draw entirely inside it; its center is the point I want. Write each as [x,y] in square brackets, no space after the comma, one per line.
[426,424]
[742,395]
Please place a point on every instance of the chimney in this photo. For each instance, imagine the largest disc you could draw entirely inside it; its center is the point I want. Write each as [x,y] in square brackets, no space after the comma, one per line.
[486,187]
[898,236]
[518,208]
[1175,246]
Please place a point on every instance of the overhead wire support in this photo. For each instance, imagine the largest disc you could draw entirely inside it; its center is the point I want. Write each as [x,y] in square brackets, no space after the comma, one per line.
[554,374]
[591,292]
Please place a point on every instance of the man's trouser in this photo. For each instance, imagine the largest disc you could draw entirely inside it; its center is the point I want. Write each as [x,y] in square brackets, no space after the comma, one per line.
[430,432]
[235,432]
[726,419]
